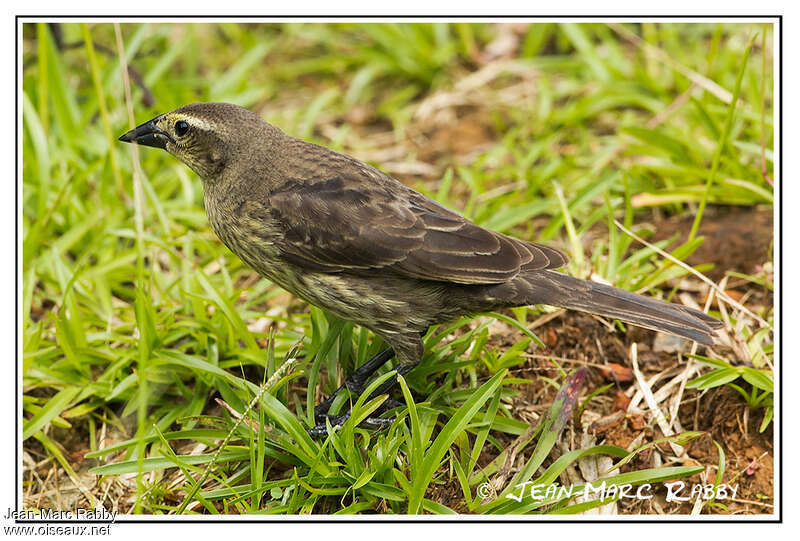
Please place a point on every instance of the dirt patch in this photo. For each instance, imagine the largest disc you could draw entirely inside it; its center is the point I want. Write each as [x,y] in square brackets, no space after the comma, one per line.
[467,132]
[577,339]
[740,239]
[748,452]
[737,238]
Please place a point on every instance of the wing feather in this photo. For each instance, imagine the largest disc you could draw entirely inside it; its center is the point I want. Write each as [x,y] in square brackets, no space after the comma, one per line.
[349,223]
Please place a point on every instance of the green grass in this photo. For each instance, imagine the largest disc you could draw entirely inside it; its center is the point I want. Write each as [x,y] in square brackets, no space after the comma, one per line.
[132,309]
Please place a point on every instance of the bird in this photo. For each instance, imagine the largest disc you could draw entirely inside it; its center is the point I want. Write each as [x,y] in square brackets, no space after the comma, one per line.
[350,239]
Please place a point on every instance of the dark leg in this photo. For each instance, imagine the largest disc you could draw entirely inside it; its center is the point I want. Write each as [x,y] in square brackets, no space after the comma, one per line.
[409,352]
[356,382]
[372,422]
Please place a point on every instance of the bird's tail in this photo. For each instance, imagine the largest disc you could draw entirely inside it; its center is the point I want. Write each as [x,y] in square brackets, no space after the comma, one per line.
[557,289]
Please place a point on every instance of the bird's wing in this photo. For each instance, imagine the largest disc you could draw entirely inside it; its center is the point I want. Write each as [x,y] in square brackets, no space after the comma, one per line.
[341,224]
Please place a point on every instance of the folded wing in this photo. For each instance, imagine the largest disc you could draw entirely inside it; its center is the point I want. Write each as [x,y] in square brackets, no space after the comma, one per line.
[344,224]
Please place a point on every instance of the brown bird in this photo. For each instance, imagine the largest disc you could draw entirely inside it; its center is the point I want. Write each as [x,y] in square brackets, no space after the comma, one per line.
[348,238]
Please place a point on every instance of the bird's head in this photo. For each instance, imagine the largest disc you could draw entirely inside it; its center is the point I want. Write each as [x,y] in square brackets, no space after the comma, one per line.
[205,136]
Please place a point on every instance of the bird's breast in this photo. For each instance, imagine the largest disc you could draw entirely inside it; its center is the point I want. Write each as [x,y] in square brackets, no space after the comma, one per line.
[248,230]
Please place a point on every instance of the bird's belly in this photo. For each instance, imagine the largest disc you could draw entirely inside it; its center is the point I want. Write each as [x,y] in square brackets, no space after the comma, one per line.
[332,292]
[387,307]
[354,300]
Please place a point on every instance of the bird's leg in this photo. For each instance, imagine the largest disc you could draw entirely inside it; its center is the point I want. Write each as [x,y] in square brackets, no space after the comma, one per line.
[372,422]
[355,382]
[408,348]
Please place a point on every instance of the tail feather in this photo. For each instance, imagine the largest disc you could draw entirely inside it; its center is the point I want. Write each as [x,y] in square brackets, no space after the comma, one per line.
[557,289]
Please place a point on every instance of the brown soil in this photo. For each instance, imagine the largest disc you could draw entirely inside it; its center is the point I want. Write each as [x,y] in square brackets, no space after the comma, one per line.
[575,339]
[737,238]
[720,412]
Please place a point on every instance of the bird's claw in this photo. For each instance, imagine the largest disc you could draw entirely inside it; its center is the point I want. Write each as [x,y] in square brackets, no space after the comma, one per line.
[336,422]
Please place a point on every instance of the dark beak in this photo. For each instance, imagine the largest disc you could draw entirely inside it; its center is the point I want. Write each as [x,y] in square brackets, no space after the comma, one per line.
[148,134]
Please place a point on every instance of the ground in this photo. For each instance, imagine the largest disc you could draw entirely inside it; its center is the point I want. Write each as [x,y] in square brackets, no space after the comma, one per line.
[576,339]
[486,121]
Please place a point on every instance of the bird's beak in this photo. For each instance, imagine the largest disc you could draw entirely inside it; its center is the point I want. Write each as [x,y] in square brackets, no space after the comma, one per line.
[148,134]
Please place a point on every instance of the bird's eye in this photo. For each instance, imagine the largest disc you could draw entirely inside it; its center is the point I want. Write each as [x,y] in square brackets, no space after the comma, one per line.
[181,128]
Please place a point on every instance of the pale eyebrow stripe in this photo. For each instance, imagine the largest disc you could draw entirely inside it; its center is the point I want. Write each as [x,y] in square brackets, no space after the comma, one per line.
[193,121]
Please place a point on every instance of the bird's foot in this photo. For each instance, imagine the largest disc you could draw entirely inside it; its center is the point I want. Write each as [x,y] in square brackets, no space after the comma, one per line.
[336,421]
[356,383]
